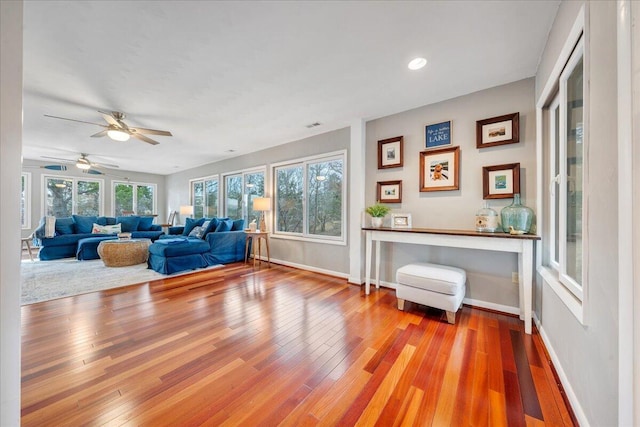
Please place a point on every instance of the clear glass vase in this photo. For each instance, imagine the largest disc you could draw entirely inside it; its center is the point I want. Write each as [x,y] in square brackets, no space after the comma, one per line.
[486,219]
[517,216]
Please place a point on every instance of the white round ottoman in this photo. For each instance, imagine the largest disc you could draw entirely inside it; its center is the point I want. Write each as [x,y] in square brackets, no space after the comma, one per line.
[433,285]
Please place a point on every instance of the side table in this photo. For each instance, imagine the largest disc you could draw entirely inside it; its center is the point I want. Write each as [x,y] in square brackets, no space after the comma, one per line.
[256,238]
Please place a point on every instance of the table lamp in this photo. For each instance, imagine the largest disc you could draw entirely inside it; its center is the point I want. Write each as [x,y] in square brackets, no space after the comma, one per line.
[186,211]
[262,204]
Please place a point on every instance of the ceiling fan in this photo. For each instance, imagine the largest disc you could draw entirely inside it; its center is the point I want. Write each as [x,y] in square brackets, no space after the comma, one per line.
[82,163]
[118,130]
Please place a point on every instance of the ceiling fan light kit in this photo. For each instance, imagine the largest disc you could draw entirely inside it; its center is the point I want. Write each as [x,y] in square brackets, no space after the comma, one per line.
[118,135]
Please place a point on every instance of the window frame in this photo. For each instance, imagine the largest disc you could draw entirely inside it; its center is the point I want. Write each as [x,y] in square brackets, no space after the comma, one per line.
[550,276]
[135,185]
[26,202]
[304,235]
[245,202]
[203,180]
[74,192]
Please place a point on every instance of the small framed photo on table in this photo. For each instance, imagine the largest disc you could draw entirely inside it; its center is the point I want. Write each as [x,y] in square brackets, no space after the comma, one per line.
[389,191]
[400,220]
[498,130]
[390,153]
[500,181]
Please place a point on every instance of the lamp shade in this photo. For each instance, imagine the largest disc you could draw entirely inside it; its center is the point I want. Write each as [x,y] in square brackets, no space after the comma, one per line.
[118,135]
[262,204]
[186,210]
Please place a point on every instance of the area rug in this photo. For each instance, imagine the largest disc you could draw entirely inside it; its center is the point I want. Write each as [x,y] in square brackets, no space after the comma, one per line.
[46,280]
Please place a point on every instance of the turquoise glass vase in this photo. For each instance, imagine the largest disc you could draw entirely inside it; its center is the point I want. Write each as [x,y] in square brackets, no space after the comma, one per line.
[517,216]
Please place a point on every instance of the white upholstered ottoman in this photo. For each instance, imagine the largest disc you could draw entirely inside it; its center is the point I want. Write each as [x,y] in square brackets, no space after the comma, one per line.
[434,285]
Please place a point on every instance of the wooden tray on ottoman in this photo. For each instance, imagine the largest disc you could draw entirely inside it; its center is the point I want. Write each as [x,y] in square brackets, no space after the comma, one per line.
[121,253]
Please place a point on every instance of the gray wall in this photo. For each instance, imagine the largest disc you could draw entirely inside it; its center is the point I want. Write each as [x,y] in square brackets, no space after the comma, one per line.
[489,273]
[37,209]
[588,354]
[329,257]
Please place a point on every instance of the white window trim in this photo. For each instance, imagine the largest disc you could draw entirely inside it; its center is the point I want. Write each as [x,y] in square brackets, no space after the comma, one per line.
[550,276]
[222,185]
[74,179]
[27,200]
[554,185]
[304,161]
[203,179]
[135,195]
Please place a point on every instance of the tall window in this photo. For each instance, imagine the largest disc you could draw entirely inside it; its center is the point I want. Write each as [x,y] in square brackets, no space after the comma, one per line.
[562,266]
[204,197]
[25,201]
[137,197]
[240,190]
[66,196]
[309,198]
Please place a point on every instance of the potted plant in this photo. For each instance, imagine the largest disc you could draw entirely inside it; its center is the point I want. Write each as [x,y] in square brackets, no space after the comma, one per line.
[377,212]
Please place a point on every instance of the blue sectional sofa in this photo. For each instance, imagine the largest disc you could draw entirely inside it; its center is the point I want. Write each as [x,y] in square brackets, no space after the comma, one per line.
[220,241]
[69,232]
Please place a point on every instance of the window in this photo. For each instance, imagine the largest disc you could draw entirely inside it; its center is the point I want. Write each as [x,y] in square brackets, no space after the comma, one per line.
[240,190]
[563,240]
[137,197]
[309,198]
[204,197]
[66,196]
[25,201]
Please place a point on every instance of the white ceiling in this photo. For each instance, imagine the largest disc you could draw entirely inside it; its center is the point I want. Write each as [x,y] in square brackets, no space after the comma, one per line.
[250,75]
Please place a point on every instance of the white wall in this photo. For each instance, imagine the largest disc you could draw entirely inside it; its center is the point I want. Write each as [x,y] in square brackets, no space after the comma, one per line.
[10,149]
[37,209]
[489,273]
[324,257]
[587,354]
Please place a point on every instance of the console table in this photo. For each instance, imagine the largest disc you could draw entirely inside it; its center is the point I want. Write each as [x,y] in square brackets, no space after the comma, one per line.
[501,242]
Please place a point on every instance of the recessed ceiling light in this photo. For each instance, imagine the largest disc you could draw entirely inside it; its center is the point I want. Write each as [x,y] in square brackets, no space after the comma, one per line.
[417,63]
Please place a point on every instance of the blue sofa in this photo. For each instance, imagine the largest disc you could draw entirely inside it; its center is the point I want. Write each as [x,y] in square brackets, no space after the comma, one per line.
[187,248]
[70,230]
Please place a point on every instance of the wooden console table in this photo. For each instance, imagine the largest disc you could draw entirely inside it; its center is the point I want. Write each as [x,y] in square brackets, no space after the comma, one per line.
[501,242]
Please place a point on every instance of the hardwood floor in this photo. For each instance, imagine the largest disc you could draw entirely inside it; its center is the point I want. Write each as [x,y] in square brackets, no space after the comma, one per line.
[277,346]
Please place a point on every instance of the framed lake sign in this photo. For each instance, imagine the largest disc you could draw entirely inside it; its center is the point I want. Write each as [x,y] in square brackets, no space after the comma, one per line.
[438,135]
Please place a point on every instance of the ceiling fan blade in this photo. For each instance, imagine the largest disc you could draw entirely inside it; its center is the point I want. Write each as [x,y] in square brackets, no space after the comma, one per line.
[145,139]
[74,120]
[109,119]
[151,131]
[55,167]
[105,165]
[59,159]
[100,134]
[93,172]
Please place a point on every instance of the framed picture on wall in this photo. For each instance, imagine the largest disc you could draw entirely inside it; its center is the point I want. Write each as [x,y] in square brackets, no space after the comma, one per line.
[498,130]
[389,191]
[500,181]
[438,135]
[439,169]
[390,153]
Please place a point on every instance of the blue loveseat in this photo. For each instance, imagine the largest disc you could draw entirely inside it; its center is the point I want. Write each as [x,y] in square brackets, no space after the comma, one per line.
[70,230]
[191,246]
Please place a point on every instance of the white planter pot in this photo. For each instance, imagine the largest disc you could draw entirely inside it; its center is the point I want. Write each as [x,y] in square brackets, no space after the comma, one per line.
[376,222]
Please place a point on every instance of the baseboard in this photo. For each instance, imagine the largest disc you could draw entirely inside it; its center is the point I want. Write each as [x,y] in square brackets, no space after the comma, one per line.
[566,385]
[492,306]
[308,268]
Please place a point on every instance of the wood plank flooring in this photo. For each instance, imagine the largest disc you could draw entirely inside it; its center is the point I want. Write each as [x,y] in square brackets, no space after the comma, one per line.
[279,346]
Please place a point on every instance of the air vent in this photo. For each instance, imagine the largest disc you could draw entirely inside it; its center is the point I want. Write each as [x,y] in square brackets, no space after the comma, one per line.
[312,125]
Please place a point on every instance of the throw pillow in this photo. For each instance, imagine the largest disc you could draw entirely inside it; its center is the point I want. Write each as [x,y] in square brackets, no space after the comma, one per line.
[128,223]
[238,225]
[102,220]
[224,225]
[49,226]
[106,229]
[83,224]
[64,225]
[145,223]
[189,223]
[198,231]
